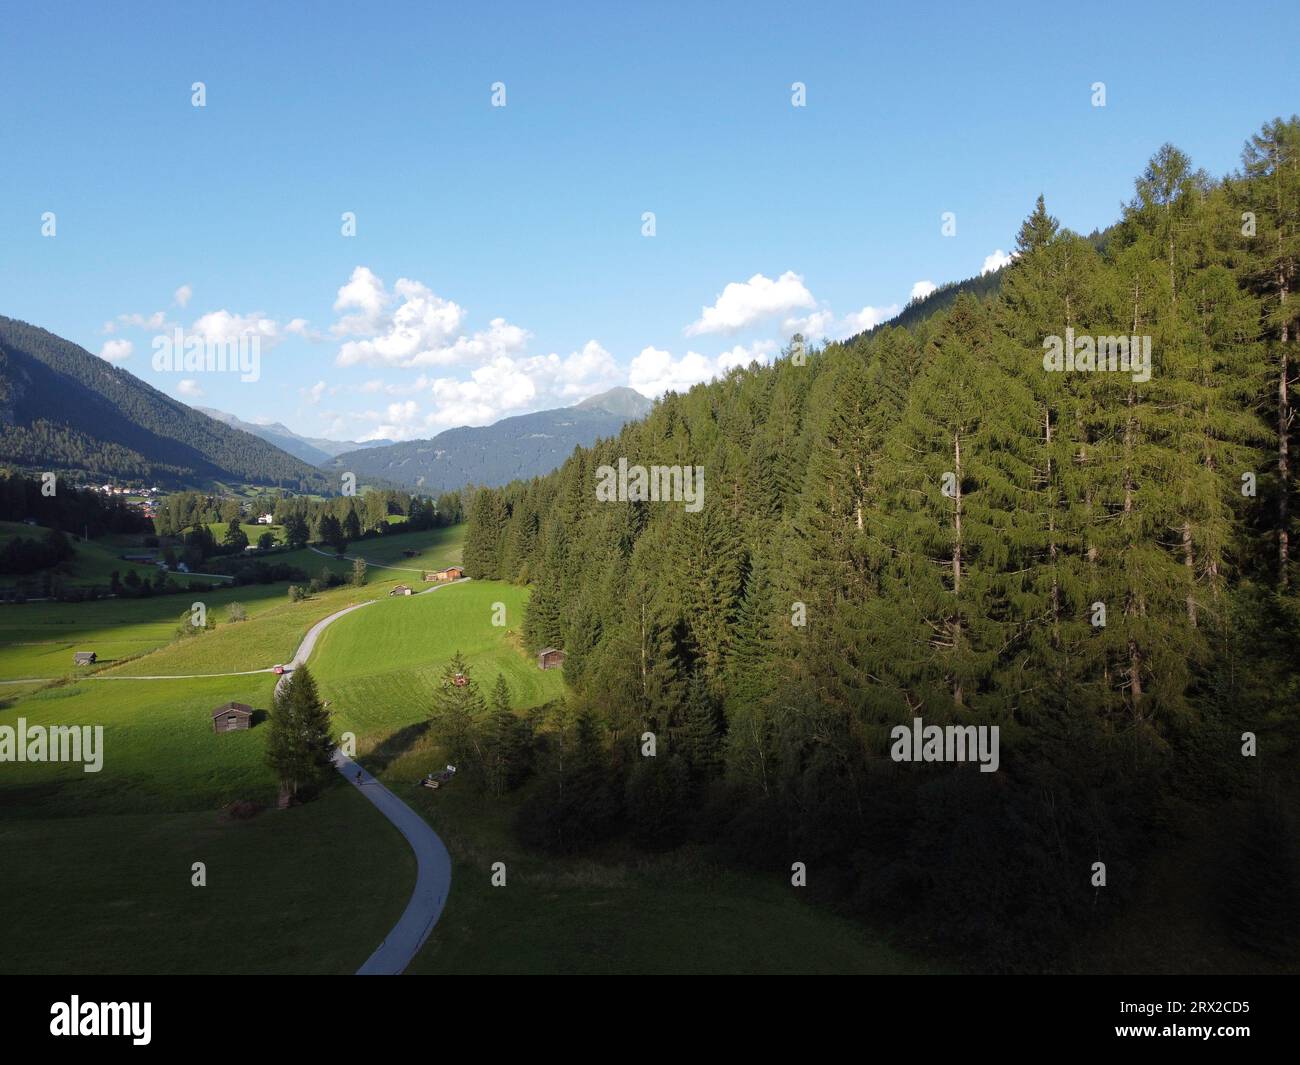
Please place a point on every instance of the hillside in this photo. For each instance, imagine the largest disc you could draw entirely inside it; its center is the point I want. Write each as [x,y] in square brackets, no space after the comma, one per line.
[1088,561]
[528,445]
[316,450]
[64,409]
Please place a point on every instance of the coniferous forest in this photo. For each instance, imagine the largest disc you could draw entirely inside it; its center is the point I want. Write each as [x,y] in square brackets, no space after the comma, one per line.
[925,522]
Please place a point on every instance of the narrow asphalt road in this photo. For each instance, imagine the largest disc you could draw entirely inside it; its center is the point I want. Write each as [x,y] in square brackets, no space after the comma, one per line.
[432,876]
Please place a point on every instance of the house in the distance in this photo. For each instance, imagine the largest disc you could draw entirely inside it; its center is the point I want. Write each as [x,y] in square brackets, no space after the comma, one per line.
[84,658]
[451,573]
[231,717]
[550,658]
[266,519]
[401,589]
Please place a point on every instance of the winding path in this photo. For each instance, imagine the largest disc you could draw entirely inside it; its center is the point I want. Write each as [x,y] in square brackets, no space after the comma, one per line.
[432,862]
[432,874]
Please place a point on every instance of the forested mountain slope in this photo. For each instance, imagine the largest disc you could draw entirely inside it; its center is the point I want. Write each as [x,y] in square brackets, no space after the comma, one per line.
[64,409]
[928,523]
[525,445]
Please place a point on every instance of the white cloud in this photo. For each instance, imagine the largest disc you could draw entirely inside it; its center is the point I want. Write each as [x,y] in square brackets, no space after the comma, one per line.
[155,321]
[760,352]
[413,326]
[867,318]
[363,292]
[116,350]
[313,394]
[922,289]
[500,387]
[655,371]
[224,326]
[741,304]
[822,323]
[996,261]
[189,388]
[182,295]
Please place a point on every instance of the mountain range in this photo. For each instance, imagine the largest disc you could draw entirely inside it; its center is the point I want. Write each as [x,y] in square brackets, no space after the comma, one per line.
[524,446]
[63,409]
[317,450]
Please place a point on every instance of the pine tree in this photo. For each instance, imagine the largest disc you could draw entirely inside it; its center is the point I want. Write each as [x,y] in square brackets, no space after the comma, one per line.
[300,747]
[457,716]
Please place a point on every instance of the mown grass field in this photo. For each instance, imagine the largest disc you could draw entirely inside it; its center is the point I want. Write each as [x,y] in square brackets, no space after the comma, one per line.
[433,549]
[376,695]
[37,640]
[97,869]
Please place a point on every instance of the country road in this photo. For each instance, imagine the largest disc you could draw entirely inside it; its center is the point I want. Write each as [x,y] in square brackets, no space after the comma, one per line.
[432,876]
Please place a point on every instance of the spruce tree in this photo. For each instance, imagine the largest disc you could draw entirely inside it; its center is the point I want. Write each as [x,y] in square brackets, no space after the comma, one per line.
[300,747]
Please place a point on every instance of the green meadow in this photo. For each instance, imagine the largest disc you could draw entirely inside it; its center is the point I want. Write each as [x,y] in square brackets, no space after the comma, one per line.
[97,876]
[609,912]
[37,640]
[377,695]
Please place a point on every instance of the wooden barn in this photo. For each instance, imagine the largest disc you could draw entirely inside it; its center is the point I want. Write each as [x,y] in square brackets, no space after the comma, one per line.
[401,589]
[451,573]
[84,658]
[231,717]
[550,658]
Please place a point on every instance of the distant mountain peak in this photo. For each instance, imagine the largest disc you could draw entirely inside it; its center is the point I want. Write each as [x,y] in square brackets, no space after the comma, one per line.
[620,400]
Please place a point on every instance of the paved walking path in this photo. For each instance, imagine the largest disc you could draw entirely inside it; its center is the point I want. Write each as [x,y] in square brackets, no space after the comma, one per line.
[432,876]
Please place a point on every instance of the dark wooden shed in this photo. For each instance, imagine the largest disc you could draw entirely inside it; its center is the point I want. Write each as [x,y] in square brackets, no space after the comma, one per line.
[550,658]
[231,717]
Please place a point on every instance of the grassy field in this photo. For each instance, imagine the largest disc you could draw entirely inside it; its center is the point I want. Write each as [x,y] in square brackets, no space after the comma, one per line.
[104,880]
[434,549]
[38,639]
[251,529]
[379,695]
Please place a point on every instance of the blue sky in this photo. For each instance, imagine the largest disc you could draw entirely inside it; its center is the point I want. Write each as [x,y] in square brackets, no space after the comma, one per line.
[499,264]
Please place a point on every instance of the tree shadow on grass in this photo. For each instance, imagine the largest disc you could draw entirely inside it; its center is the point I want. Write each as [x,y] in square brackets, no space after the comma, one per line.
[399,743]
